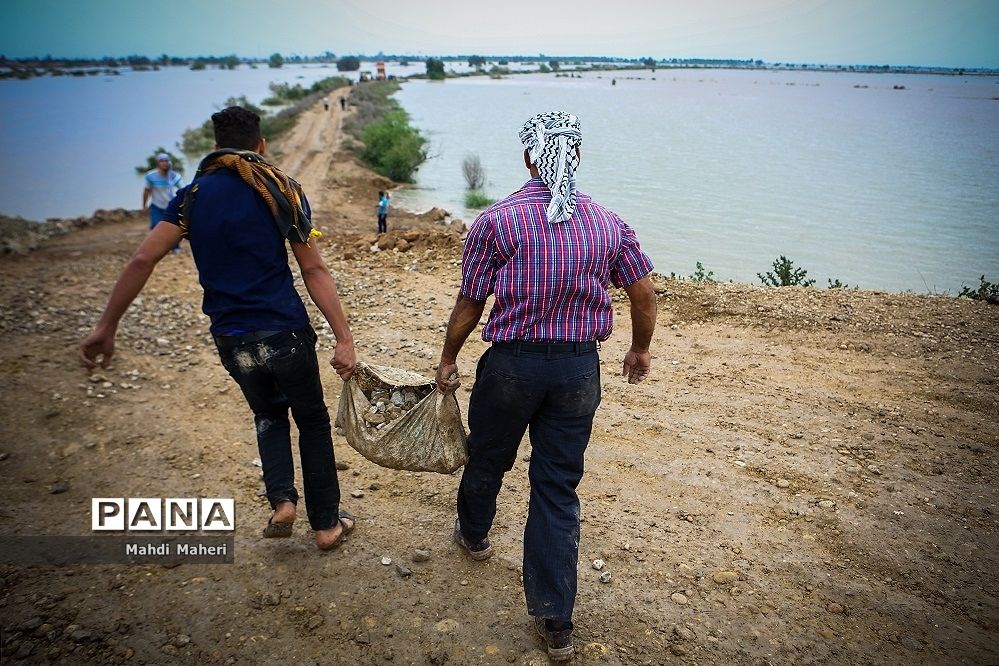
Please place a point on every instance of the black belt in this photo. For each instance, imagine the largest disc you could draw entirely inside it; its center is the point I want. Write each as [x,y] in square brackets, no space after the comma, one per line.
[548,347]
[230,341]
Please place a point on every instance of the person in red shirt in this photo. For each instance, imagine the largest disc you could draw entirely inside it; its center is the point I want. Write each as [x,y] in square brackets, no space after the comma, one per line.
[548,253]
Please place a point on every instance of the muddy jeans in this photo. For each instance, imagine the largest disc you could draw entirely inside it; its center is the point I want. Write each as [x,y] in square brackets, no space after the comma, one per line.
[277,372]
[556,395]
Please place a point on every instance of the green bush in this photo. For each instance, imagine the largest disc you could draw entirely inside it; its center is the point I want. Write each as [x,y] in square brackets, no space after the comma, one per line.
[435,69]
[476,199]
[987,291]
[275,61]
[836,284]
[176,163]
[785,275]
[348,64]
[392,147]
[700,275]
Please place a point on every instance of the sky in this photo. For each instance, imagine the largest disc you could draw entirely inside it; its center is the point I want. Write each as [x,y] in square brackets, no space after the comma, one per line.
[952,33]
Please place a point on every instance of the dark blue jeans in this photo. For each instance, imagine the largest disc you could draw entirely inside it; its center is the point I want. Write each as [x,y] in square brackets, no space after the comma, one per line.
[277,373]
[555,395]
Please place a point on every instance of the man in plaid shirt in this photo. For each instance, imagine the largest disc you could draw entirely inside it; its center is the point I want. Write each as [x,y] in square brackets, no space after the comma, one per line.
[547,252]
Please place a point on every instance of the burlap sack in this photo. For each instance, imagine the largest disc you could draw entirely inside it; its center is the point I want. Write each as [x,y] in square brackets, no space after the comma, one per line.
[428,438]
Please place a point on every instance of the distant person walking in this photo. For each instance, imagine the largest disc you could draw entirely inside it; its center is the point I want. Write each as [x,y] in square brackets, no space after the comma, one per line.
[326,103]
[547,252]
[240,215]
[343,103]
[383,208]
[161,185]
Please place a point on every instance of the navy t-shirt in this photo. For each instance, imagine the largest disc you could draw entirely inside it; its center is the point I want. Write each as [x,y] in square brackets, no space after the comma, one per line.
[241,257]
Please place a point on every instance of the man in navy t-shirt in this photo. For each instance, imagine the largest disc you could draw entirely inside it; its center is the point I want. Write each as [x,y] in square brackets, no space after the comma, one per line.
[237,214]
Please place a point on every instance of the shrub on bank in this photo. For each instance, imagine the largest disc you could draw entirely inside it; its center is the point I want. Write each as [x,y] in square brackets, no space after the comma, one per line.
[785,274]
[391,147]
[477,199]
[987,291]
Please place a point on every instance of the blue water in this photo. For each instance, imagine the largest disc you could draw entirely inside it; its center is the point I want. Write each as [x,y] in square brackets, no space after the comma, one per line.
[879,187]
[70,145]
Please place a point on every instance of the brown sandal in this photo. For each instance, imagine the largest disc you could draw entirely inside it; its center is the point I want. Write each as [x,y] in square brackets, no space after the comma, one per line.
[345,529]
[277,530]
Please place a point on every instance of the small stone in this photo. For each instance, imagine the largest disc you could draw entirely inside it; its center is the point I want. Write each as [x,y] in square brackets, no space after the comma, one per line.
[180,640]
[835,608]
[169,649]
[24,650]
[828,634]
[268,599]
[58,487]
[316,621]
[375,486]
[725,577]
[421,555]
[342,466]
[386,561]
[679,598]
[605,577]
[598,564]
[81,636]
[4,455]
[826,504]
[678,649]
[403,571]
[357,494]
[362,638]
[447,626]
[783,483]
[684,633]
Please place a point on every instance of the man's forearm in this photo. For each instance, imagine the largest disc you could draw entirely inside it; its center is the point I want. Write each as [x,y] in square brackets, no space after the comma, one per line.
[464,318]
[131,281]
[643,314]
[322,289]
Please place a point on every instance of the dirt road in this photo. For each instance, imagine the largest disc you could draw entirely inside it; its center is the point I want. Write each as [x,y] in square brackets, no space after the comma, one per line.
[807,478]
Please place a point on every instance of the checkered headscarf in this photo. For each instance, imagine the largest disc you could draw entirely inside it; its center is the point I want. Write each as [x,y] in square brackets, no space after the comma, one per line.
[551,140]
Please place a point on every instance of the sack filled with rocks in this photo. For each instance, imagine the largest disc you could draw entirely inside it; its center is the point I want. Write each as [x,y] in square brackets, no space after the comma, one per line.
[398,419]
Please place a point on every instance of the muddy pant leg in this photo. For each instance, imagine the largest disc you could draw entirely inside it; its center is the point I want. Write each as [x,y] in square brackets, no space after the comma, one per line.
[270,414]
[274,446]
[499,410]
[560,433]
[297,372]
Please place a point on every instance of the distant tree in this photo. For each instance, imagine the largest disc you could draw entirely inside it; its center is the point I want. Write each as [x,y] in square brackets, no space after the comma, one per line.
[348,64]
[404,63]
[230,62]
[543,68]
[475,174]
[198,64]
[553,64]
[502,63]
[435,69]
[648,62]
[476,61]
[275,61]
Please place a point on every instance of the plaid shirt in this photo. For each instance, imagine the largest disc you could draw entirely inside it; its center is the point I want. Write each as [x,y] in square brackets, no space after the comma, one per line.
[550,280]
